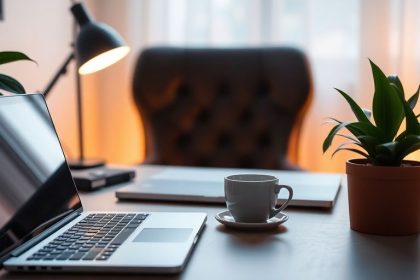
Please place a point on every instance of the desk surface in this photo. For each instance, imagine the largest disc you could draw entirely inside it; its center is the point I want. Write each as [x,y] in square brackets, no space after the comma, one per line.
[312,244]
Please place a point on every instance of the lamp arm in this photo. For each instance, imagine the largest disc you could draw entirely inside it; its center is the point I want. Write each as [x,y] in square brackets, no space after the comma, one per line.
[60,72]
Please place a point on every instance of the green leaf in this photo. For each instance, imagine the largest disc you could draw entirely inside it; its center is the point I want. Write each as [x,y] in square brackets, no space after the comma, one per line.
[333,120]
[358,112]
[411,122]
[389,148]
[401,136]
[387,154]
[330,136]
[408,145]
[369,139]
[396,81]
[369,136]
[412,101]
[364,129]
[352,142]
[369,143]
[361,130]
[10,84]
[411,149]
[351,150]
[367,112]
[9,56]
[333,132]
[348,137]
[387,109]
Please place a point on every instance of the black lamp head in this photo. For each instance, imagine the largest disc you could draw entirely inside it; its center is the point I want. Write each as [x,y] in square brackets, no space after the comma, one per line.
[97,44]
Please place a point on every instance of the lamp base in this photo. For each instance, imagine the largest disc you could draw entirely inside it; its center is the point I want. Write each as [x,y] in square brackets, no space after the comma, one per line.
[85,164]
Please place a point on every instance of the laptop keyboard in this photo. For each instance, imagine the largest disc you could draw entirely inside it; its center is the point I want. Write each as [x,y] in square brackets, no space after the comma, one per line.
[96,237]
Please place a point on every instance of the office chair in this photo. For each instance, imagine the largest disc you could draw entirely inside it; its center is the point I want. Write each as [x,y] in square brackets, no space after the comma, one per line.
[222,107]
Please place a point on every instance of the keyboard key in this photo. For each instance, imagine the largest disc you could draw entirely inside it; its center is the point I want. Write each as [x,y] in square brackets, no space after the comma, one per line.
[102,258]
[91,255]
[39,254]
[63,257]
[97,236]
[125,233]
[77,256]
[133,225]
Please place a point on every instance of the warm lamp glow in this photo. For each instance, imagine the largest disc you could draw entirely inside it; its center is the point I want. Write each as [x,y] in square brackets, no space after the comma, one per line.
[103,60]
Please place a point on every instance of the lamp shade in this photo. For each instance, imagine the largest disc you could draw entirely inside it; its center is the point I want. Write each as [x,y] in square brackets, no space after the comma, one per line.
[97,44]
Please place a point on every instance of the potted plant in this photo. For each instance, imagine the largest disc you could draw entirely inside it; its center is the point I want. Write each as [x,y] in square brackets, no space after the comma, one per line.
[6,82]
[383,188]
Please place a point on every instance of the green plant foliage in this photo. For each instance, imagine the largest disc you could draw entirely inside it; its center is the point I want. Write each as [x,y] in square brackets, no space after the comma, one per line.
[6,82]
[378,142]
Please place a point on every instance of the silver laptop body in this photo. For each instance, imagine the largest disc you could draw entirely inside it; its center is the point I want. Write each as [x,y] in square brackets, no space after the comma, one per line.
[197,184]
[42,224]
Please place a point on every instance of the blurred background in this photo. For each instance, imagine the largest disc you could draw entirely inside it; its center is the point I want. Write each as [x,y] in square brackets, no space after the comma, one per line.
[337,36]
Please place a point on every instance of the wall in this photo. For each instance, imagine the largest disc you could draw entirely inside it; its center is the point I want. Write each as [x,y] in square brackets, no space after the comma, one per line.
[113,129]
[43,30]
[120,128]
[140,22]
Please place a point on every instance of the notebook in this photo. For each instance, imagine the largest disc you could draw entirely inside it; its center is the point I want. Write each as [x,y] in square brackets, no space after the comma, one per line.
[205,185]
[42,223]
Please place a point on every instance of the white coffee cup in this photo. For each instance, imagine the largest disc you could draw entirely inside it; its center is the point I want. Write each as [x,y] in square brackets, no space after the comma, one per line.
[252,198]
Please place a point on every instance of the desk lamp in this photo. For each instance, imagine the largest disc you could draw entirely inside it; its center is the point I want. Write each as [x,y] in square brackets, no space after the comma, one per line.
[96,47]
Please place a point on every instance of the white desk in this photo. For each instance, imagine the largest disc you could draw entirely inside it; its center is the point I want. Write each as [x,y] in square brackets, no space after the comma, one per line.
[312,244]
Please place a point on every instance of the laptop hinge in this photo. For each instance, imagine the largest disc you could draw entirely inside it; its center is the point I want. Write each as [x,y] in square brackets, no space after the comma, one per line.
[32,242]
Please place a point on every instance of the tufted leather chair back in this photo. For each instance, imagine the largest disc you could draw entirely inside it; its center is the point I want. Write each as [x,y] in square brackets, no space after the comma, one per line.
[222,107]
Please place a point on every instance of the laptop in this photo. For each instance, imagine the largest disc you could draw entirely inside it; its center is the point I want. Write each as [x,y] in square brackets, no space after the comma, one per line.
[206,185]
[43,227]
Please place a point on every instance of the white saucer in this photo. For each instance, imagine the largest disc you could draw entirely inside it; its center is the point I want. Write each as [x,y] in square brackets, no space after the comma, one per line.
[226,218]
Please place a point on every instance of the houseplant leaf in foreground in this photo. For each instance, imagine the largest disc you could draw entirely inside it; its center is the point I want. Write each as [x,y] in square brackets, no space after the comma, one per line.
[10,56]
[412,124]
[10,84]
[358,112]
[387,110]
[379,140]
[6,82]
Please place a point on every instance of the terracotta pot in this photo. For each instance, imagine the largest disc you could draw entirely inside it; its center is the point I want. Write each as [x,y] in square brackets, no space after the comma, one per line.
[384,200]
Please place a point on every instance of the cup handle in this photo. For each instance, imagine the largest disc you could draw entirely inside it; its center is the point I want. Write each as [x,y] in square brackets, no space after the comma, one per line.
[275,210]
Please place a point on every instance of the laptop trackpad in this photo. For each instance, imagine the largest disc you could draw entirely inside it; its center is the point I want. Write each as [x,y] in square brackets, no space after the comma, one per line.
[176,235]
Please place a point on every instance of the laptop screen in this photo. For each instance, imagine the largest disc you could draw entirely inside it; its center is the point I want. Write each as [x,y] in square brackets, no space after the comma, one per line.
[36,187]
